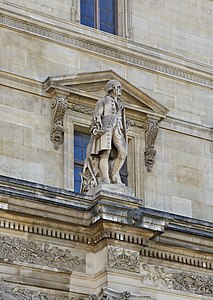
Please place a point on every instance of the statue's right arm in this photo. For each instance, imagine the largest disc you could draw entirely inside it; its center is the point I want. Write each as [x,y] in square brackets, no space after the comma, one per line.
[99,109]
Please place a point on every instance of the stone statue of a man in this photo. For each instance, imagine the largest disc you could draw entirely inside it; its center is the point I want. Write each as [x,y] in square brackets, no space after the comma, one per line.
[107,149]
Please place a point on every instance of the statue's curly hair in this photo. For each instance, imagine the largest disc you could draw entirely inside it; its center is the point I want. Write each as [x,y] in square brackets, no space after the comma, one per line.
[110,85]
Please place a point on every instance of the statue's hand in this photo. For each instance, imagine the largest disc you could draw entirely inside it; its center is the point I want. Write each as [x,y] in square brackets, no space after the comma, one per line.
[97,132]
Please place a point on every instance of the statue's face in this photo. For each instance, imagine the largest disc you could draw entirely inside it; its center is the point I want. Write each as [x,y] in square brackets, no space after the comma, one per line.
[117,89]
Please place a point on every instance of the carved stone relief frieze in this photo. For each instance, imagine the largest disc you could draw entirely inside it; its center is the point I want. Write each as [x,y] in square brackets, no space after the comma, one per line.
[58,107]
[122,259]
[14,291]
[177,280]
[20,250]
[193,283]
[21,293]
[151,136]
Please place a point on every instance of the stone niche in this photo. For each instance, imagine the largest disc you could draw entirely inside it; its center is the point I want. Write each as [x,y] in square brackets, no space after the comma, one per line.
[73,101]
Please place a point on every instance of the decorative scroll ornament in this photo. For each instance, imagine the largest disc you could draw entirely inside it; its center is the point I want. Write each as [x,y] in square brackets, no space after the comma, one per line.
[182,281]
[58,106]
[122,259]
[151,136]
[20,250]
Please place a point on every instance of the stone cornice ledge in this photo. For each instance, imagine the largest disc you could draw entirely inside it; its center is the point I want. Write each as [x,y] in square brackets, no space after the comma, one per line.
[106,206]
[118,49]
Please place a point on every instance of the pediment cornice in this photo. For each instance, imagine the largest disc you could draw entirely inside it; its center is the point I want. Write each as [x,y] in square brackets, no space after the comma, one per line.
[91,85]
[79,92]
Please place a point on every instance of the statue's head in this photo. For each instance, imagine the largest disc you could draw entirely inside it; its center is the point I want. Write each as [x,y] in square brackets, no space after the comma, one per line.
[113,86]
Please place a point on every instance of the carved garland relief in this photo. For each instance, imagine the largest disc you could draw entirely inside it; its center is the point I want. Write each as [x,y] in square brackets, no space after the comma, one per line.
[20,250]
[126,260]
[181,281]
[28,294]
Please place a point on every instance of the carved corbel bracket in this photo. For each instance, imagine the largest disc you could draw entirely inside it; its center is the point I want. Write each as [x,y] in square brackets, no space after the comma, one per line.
[58,107]
[151,136]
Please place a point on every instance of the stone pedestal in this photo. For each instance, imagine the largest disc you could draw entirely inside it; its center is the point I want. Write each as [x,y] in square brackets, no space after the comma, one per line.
[112,188]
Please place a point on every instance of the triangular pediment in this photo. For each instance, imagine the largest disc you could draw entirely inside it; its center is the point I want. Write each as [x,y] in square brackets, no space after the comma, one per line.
[91,85]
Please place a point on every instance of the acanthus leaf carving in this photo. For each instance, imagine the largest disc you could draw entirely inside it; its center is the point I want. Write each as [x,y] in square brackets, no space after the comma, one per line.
[122,259]
[58,107]
[151,136]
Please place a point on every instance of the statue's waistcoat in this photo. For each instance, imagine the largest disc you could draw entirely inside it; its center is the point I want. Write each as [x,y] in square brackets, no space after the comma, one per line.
[111,112]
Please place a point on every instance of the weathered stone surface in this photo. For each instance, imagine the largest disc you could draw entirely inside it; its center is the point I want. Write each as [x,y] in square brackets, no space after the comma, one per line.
[56,239]
[20,250]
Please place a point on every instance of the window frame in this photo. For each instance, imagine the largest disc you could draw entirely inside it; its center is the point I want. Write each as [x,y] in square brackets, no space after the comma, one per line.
[136,146]
[124,17]
[97,22]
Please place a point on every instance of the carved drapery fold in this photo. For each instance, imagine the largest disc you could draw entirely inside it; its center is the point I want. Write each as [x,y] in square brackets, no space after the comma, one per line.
[58,107]
[151,136]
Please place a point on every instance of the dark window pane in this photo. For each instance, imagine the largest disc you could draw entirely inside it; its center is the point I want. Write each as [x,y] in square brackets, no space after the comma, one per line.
[77,186]
[103,4]
[87,12]
[84,152]
[108,16]
[83,7]
[78,139]
[81,141]
[77,171]
[78,153]
[110,4]
[110,19]
[86,139]
[103,17]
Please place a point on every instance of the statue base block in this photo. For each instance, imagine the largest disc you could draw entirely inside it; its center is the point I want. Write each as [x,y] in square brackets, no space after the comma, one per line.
[115,188]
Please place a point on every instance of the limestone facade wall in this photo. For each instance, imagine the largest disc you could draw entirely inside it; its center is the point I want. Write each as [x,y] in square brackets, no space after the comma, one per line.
[181,179]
